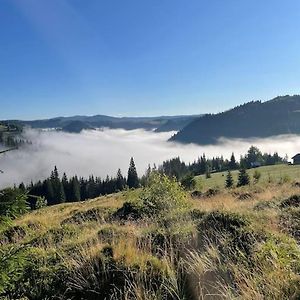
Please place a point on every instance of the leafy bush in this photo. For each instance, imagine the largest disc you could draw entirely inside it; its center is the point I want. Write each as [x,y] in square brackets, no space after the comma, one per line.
[163,197]
[256,176]
[12,263]
[188,181]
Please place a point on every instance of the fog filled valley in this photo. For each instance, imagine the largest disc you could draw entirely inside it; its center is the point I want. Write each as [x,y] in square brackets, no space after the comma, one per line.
[102,152]
[149,150]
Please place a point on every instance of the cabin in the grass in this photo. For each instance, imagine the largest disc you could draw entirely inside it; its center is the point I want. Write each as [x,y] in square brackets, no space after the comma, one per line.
[296,159]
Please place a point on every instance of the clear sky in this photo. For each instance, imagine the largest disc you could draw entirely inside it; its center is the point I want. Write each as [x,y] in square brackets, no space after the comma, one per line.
[144,57]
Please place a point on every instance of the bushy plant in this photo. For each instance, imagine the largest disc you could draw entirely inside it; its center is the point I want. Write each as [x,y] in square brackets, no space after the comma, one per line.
[188,181]
[229,180]
[163,197]
[256,176]
[13,203]
[243,178]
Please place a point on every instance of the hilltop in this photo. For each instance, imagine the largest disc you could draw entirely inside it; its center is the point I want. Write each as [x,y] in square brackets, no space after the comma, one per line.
[278,116]
[158,243]
[77,123]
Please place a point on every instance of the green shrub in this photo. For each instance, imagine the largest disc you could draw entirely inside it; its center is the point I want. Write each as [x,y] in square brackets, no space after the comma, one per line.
[243,178]
[13,203]
[163,197]
[12,264]
[188,182]
[256,176]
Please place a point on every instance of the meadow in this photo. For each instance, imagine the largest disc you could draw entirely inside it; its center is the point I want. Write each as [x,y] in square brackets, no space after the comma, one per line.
[159,242]
[269,174]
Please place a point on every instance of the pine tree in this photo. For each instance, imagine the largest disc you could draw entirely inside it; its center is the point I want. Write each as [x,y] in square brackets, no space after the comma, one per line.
[22,187]
[229,180]
[132,179]
[66,186]
[49,192]
[61,193]
[75,189]
[56,186]
[83,188]
[120,182]
[243,178]
[232,163]
[92,188]
[202,164]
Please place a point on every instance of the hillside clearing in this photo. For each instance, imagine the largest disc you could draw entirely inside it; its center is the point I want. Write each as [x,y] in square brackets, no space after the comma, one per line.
[269,174]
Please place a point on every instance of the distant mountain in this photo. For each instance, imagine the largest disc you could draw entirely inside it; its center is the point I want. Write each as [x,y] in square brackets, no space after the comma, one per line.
[254,119]
[78,123]
[176,124]
[76,126]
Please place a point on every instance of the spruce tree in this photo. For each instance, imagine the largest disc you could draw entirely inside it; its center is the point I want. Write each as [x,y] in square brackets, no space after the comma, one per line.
[229,180]
[232,163]
[75,189]
[66,186]
[92,188]
[120,183]
[61,193]
[243,178]
[132,178]
[49,192]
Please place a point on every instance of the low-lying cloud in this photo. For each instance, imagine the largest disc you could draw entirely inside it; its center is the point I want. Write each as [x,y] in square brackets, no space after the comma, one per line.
[102,152]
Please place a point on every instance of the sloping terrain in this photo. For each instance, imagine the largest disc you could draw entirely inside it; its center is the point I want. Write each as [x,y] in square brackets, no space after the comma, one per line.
[254,119]
[158,243]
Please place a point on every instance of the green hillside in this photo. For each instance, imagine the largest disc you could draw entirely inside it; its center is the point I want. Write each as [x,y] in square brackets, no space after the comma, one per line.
[269,174]
[158,243]
[254,119]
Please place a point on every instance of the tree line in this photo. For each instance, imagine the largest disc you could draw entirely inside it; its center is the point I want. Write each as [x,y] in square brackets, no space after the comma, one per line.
[59,189]
[253,158]
[56,189]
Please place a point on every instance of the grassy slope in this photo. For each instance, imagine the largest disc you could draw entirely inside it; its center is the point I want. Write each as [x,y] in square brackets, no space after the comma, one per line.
[274,174]
[58,240]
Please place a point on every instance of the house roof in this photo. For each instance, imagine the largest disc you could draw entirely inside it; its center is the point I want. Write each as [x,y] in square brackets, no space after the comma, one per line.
[296,156]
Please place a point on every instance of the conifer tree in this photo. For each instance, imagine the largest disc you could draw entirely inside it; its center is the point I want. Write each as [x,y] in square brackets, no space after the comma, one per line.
[75,189]
[232,163]
[243,178]
[120,182]
[132,178]
[49,192]
[61,193]
[66,186]
[202,164]
[229,180]
[91,188]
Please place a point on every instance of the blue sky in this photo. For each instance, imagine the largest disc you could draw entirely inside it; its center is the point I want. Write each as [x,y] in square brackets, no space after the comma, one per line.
[142,58]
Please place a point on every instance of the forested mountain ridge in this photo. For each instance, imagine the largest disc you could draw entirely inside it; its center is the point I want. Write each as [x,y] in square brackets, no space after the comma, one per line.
[280,115]
[78,123]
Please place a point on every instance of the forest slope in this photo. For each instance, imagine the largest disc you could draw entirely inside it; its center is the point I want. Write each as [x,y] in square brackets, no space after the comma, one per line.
[254,119]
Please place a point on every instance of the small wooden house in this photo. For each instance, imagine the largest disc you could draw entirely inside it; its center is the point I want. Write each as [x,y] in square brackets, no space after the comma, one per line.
[296,159]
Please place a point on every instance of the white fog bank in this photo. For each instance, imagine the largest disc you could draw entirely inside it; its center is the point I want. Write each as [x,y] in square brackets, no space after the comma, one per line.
[103,152]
